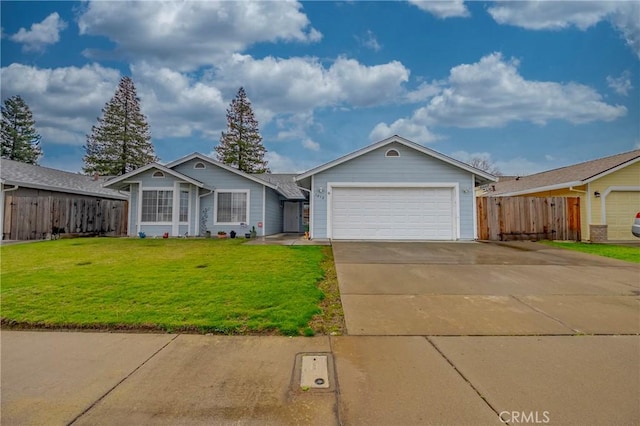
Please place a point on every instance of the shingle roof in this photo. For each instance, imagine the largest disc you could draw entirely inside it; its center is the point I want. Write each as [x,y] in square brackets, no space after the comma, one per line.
[30,176]
[285,184]
[576,174]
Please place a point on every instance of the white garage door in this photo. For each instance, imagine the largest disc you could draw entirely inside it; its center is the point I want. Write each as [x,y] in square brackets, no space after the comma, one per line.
[392,214]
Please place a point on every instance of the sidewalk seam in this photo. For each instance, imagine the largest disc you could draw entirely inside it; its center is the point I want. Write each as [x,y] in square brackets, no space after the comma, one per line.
[476,390]
[540,311]
[335,374]
[104,395]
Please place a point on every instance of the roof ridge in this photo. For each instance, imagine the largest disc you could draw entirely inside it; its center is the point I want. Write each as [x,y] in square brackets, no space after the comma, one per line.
[585,162]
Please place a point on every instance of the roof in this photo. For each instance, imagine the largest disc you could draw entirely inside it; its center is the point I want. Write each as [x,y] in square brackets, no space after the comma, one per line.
[123,180]
[482,177]
[253,177]
[38,177]
[285,183]
[564,177]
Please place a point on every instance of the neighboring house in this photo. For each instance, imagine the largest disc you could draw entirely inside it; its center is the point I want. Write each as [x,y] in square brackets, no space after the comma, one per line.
[196,194]
[38,201]
[608,188]
[393,189]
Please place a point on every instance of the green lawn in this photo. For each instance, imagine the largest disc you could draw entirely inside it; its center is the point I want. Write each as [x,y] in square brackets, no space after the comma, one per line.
[203,285]
[629,254]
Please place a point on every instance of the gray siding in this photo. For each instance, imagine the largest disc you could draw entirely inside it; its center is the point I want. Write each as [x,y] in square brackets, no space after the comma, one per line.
[273,206]
[221,179]
[412,166]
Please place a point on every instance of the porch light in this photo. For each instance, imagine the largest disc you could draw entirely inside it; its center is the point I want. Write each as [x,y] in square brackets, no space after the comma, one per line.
[597,194]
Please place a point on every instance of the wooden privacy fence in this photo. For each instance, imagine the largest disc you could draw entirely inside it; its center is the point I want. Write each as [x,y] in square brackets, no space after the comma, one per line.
[526,218]
[37,217]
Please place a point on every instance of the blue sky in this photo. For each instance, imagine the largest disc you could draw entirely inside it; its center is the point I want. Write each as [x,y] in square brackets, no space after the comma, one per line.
[529,85]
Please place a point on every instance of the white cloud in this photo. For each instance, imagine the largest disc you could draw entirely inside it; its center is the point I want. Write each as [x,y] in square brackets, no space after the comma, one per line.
[65,101]
[491,93]
[621,85]
[300,84]
[369,41]
[556,15]
[443,9]
[407,128]
[311,145]
[41,34]
[282,164]
[186,35]
[424,92]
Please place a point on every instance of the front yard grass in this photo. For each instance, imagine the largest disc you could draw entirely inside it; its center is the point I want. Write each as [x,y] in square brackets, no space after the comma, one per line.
[199,285]
[629,254]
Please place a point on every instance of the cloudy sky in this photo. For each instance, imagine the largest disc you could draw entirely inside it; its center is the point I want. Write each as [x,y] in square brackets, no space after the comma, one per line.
[529,85]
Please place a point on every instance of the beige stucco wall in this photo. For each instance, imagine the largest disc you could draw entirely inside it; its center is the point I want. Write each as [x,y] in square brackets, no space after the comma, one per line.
[620,206]
[619,201]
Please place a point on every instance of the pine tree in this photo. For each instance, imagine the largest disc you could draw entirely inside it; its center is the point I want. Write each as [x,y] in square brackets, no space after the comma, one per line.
[241,145]
[121,141]
[20,140]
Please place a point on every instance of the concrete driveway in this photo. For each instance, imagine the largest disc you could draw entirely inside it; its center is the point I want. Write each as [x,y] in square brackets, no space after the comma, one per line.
[467,289]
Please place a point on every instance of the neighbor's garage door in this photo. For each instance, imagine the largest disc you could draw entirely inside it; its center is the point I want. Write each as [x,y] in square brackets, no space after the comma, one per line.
[621,209]
[392,214]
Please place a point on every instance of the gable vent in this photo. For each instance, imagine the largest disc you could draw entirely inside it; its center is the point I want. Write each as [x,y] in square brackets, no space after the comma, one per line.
[199,165]
[392,153]
[158,174]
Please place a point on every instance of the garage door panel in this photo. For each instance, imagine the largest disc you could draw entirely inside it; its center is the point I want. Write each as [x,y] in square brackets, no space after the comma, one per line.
[393,213]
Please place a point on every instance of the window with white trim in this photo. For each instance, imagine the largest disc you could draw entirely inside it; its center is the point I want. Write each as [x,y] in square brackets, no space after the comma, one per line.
[232,207]
[184,206]
[157,206]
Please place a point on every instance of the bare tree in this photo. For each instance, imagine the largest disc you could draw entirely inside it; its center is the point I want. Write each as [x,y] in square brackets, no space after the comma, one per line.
[485,164]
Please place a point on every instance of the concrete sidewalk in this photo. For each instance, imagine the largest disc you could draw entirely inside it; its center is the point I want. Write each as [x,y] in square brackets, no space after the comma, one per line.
[101,378]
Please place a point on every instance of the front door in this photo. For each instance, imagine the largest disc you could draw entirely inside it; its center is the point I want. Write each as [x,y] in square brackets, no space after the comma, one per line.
[291,217]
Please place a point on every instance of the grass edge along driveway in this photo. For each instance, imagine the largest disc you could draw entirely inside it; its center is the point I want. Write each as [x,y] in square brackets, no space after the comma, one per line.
[626,253]
[173,285]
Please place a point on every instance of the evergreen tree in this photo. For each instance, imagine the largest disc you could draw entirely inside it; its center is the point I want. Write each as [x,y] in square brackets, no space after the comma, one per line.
[241,145]
[121,141]
[20,140]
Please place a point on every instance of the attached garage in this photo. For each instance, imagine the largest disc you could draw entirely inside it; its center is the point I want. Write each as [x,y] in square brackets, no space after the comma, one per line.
[393,213]
[393,190]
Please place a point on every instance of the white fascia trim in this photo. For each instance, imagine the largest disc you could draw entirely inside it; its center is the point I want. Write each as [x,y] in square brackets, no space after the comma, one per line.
[222,166]
[608,191]
[311,209]
[391,185]
[264,209]
[63,190]
[402,141]
[474,208]
[215,207]
[538,189]
[124,177]
[612,170]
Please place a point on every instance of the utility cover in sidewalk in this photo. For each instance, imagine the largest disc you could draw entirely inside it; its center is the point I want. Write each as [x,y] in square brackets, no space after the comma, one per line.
[315,373]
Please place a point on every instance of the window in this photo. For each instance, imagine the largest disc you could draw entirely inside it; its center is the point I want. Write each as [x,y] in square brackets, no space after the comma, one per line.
[232,207]
[199,165]
[157,174]
[184,206]
[392,153]
[157,206]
